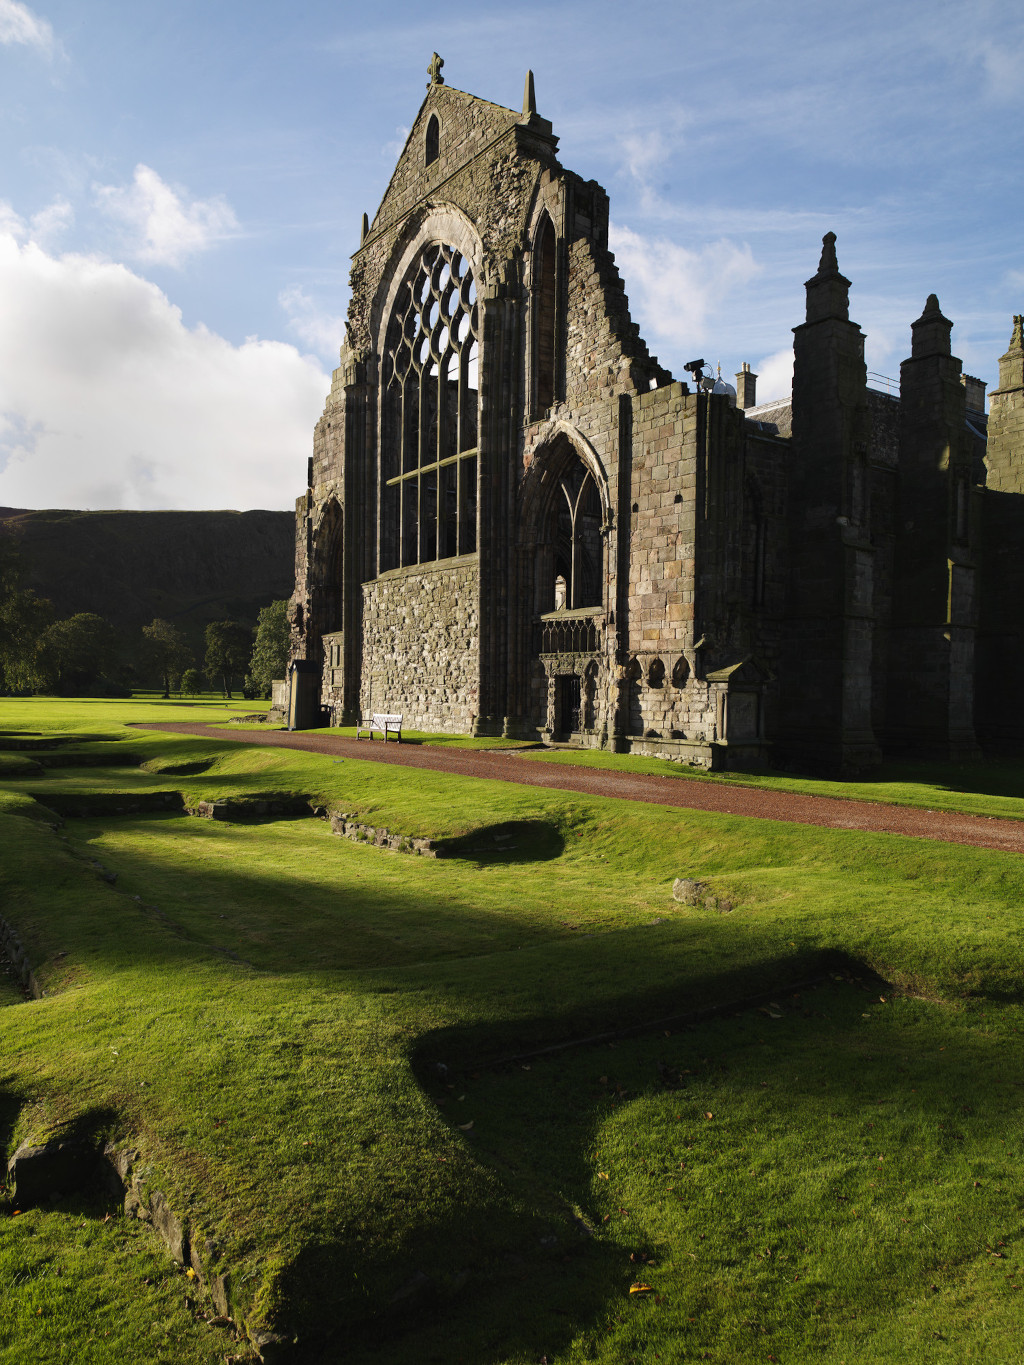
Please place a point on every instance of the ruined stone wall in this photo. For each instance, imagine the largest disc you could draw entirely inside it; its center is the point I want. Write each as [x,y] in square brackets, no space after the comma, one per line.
[421,643]
[605,355]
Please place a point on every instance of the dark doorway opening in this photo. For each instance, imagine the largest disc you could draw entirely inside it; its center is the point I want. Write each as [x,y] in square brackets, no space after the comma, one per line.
[567,705]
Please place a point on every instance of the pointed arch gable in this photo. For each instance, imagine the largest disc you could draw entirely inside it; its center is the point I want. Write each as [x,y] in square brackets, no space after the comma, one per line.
[541,478]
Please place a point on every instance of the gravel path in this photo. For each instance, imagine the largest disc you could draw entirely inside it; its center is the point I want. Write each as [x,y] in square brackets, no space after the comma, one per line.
[510,766]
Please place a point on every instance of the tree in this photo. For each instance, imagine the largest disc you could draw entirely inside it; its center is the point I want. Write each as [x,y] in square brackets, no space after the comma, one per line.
[23,618]
[228,645]
[80,656]
[166,651]
[270,652]
[191,682]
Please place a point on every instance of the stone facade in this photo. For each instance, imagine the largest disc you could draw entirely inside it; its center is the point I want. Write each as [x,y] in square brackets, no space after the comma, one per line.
[421,644]
[518,522]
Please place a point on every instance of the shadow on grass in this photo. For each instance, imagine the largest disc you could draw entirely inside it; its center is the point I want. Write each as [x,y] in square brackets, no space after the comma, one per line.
[163,768]
[511,841]
[990,778]
[836,1081]
[10,1107]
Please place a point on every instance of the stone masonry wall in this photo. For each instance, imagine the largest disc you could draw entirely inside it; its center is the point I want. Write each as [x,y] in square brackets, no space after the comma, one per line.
[466,126]
[421,645]
[662,527]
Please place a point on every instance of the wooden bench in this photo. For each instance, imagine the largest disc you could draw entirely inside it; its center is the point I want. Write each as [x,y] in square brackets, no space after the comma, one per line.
[384,723]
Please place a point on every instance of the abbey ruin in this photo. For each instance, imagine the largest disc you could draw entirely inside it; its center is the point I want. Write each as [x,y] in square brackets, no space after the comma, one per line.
[518,523]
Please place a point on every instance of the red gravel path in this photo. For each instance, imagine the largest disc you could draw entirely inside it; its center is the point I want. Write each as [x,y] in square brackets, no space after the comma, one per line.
[506,766]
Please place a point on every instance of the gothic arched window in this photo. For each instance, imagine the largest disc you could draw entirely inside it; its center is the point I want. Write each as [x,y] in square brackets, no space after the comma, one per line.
[432,143]
[544,313]
[579,550]
[428,467]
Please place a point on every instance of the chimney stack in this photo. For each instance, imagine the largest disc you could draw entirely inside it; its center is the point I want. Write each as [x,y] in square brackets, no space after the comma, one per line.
[975,401]
[746,387]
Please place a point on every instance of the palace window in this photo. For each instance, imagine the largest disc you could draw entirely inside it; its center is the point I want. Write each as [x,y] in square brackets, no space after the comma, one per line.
[428,472]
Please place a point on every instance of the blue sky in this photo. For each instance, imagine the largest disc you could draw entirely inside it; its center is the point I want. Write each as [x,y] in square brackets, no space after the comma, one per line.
[183,184]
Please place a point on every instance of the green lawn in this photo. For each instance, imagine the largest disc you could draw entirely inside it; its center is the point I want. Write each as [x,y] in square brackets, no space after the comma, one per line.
[309,1040]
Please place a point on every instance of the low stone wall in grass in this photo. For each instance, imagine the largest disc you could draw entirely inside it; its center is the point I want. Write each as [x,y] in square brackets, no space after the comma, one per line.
[39,1173]
[350,828]
[11,946]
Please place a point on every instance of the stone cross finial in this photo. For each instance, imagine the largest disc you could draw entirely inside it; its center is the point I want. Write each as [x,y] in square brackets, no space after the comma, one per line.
[434,71]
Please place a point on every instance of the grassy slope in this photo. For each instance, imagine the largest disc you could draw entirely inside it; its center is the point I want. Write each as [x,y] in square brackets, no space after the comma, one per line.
[276,1100]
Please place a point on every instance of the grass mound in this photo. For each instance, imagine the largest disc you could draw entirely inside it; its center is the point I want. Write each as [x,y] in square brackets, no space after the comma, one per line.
[308,1042]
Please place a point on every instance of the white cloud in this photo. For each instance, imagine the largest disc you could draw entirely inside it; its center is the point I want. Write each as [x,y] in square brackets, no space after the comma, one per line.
[673,290]
[108,400]
[44,225]
[19,25]
[11,223]
[321,332]
[52,220]
[163,228]
[775,376]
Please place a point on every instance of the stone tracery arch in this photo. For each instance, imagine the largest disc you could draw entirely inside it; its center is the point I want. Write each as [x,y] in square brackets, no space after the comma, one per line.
[429,378]
[325,577]
[565,515]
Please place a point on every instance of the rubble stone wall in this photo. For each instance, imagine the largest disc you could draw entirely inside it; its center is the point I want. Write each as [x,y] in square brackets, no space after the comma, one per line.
[421,642]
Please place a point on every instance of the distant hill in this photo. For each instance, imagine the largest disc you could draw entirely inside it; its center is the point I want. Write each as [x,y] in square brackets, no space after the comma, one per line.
[189,567]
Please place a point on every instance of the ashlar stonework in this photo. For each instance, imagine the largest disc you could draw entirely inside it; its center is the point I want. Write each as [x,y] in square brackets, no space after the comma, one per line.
[517,522]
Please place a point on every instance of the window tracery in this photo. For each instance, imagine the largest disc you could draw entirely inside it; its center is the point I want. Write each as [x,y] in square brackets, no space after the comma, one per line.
[428,470]
[579,549]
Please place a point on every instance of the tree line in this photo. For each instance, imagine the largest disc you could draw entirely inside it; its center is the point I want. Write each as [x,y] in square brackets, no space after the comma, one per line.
[84,655]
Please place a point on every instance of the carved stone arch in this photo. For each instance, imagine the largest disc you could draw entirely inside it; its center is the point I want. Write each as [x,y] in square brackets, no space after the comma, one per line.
[680,671]
[439,222]
[634,698]
[590,675]
[325,579]
[536,484]
[656,673]
[564,517]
